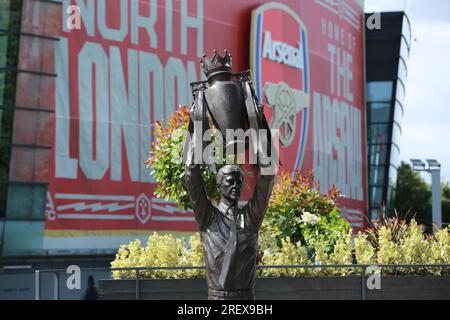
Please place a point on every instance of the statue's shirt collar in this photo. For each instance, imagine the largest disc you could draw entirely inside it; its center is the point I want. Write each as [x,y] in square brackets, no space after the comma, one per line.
[233,213]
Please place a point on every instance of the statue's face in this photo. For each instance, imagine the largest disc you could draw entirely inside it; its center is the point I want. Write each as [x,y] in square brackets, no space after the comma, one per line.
[231,186]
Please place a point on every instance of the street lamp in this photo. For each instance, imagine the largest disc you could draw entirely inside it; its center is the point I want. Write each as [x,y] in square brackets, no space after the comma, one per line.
[434,168]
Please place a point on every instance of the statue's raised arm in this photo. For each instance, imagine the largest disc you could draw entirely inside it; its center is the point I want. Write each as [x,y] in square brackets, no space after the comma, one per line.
[197,193]
[257,206]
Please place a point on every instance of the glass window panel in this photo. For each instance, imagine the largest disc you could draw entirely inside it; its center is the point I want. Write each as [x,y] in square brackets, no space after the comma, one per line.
[379,111]
[26,201]
[4,172]
[378,155]
[6,122]
[391,198]
[379,133]
[9,44]
[379,91]
[3,190]
[13,10]
[4,162]
[10,14]
[24,238]
[376,196]
[1,117]
[4,14]
[375,213]
[377,175]
[3,49]
[7,88]
[393,173]
[2,90]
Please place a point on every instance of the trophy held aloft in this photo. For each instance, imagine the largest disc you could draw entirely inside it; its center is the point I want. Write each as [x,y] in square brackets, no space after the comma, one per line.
[230,101]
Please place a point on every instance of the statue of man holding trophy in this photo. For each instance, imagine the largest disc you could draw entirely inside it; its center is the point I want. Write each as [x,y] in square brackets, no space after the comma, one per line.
[229,232]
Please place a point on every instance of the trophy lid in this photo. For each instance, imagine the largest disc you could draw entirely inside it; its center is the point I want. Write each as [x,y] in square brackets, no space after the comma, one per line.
[217,64]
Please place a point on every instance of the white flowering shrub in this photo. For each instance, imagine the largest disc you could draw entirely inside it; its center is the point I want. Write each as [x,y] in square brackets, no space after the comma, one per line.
[298,210]
[310,219]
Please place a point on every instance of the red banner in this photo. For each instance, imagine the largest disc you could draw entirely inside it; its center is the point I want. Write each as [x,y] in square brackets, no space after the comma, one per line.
[130,64]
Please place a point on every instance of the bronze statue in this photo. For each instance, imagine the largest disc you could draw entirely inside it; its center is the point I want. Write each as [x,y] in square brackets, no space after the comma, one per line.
[229,233]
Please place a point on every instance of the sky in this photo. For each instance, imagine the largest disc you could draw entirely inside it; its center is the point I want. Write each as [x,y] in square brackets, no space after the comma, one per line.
[426,124]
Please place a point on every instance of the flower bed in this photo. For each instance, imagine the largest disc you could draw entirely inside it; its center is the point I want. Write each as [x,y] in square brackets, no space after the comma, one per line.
[410,246]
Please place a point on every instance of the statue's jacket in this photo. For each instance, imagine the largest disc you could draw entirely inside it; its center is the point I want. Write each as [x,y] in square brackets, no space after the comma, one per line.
[229,235]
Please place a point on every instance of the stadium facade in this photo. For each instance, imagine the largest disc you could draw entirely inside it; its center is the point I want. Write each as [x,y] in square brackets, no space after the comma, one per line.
[77,107]
[387,54]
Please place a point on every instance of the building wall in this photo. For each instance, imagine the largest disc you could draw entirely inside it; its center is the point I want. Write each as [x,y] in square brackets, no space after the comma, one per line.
[387,55]
[28,36]
[76,178]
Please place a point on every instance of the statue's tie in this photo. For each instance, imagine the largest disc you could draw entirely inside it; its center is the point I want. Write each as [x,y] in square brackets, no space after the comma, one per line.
[229,251]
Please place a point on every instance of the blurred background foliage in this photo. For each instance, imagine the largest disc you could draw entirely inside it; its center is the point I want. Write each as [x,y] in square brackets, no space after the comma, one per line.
[413,196]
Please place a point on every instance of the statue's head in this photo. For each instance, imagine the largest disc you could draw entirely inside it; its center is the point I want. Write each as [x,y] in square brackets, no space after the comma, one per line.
[229,182]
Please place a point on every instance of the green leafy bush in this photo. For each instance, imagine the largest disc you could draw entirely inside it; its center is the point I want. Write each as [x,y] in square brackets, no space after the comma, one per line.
[287,254]
[408,244]
[299,212]
[165,161]
[341,255]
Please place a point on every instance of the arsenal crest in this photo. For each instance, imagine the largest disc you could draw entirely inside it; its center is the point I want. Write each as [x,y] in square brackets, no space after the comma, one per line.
[280,66]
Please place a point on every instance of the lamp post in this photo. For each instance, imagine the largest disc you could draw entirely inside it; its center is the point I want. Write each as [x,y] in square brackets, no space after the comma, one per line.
[434,168]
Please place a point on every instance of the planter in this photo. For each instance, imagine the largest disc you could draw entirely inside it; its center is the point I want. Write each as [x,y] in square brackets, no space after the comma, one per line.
[305,288]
